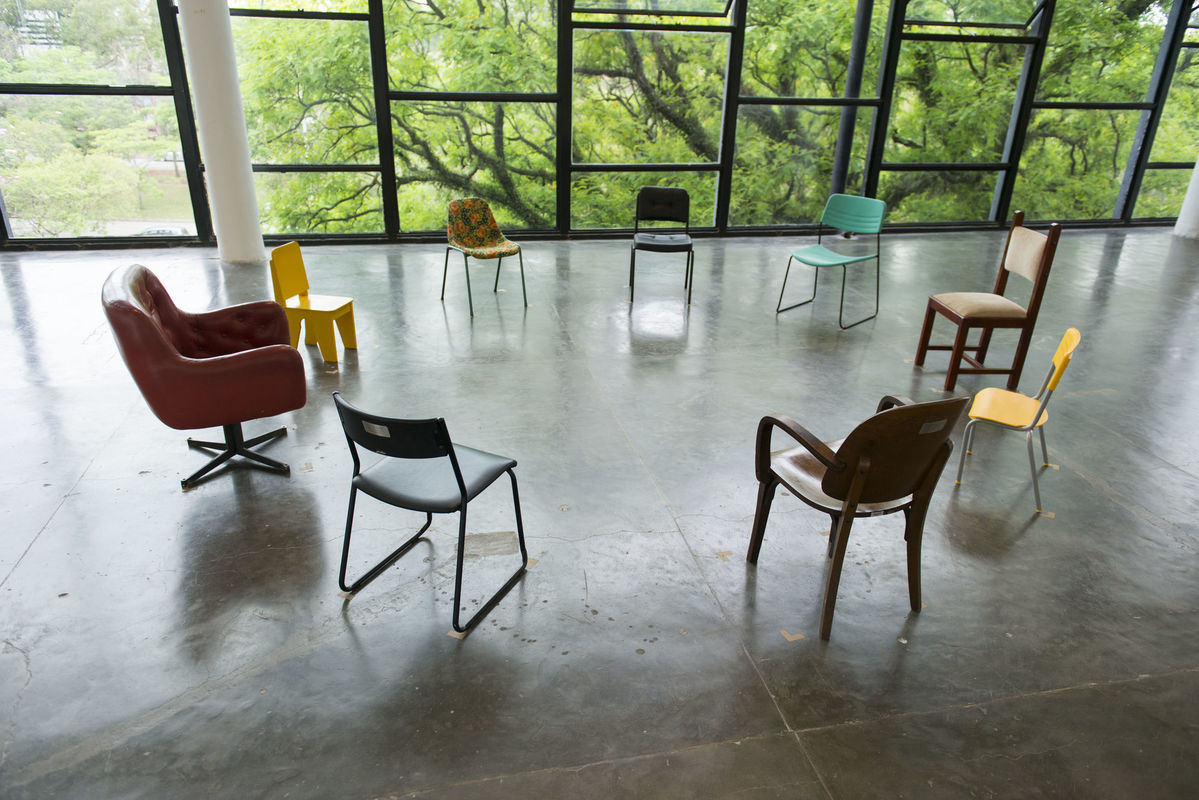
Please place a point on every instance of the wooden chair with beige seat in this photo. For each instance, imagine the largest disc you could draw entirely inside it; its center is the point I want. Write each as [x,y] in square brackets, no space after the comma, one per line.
[1026,253]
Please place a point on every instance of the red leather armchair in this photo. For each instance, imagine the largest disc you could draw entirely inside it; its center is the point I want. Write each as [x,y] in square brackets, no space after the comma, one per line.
[219,368]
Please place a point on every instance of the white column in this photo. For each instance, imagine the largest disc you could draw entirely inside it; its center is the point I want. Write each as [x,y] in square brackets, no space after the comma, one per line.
[212,74]
[1188,216]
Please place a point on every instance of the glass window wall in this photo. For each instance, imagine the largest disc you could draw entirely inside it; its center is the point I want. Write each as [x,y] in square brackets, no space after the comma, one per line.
[367,116]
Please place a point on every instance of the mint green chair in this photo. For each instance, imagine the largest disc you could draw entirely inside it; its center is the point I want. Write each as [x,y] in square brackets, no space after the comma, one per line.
[847,213]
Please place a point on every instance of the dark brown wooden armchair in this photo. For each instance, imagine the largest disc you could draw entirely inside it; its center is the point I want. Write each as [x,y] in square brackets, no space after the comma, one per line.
[891,462]
[1026,253]
[215,369]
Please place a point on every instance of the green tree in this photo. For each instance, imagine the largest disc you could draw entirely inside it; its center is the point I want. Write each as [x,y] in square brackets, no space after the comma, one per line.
[72,194]
[70,164]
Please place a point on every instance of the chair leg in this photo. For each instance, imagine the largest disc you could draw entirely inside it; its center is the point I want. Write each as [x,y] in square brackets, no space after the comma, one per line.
[445,269]
[379,568]
[521,260]
[913,534]
[761,513]
[632,270]
[324,337]
[499,262]
[312,333]
[955,357]
[832,533]
[469,297]
[194,478]
[834,576]
[1032,465]
[1044,450]
[841,313]
[1013,379]
[345,326]
[499,595]
[778,309]
[235,445]
[984,344]
[689,280]
[293,327]
[967,440]
[926,331]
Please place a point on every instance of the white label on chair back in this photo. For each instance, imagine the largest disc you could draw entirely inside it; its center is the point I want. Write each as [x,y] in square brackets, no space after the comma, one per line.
[932,427]
[374,429]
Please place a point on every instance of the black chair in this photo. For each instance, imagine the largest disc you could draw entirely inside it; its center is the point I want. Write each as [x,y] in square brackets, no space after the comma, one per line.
[663,204]
[423,471]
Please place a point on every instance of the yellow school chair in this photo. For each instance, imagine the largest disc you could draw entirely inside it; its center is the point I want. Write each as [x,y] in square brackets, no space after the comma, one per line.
[320,311]
[1019,412]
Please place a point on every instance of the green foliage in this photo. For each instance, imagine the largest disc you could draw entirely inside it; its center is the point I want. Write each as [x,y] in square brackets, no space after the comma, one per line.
[1074,161]
[503,152]
[71,195]
[607,199]
[306,89]
[71,164]
[639,97]
[338,202]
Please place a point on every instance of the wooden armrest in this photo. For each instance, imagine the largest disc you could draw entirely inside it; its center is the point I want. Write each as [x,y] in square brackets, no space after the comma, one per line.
[797,432]
[892,401]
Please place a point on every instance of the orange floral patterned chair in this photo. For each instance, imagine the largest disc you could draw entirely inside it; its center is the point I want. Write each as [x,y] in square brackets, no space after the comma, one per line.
[472,231]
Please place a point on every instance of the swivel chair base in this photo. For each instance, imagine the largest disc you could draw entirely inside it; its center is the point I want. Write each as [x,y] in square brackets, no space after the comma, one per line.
[236,445]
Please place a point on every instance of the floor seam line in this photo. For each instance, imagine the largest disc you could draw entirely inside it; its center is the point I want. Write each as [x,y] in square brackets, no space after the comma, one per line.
[1061,690]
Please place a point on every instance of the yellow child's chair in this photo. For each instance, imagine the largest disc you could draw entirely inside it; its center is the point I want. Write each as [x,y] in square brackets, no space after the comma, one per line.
[1019,412]
[320,311]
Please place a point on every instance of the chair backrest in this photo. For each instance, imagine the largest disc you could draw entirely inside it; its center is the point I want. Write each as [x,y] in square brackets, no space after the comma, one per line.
[663,204]
[146,323]
[470,223]
[1061,358]
[853,213]
[1029,254]
[902,443]
[288,276]
[174,355]
[397,438]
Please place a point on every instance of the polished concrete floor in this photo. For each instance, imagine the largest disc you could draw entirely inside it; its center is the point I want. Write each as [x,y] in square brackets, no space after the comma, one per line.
[161,643]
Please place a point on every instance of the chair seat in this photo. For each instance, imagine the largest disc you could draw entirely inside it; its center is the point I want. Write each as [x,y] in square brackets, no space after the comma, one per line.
[981,304]
[494,250]
[820,256]
[802,473]
[319,303]
[1011,409]
[428,484]
[662,242]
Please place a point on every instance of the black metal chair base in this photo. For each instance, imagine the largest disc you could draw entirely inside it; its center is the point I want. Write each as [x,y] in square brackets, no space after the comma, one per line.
[445,271]
[382,566]
[399,552]
[688,272]
[779,308]
[236,445]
